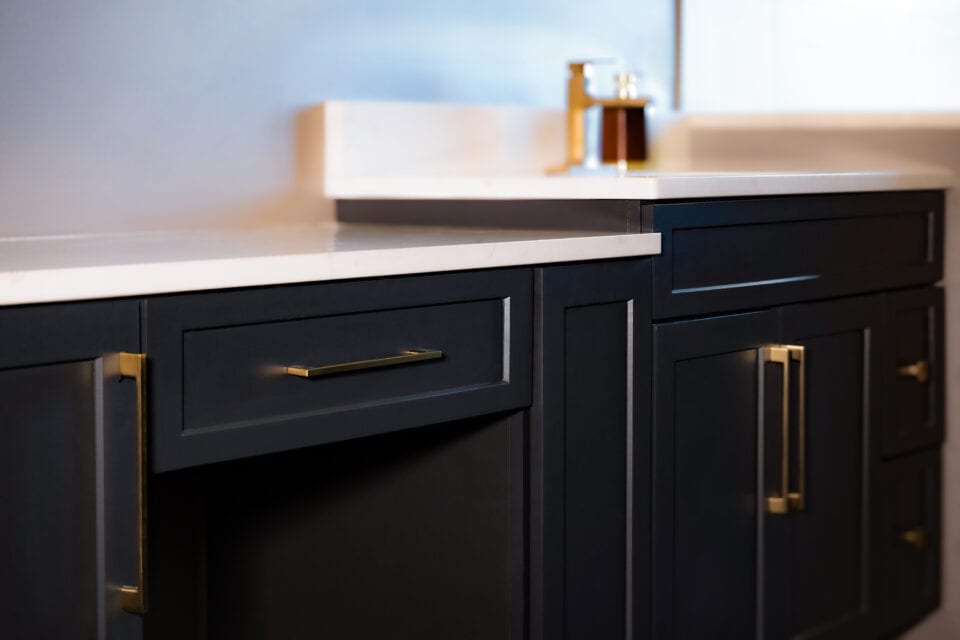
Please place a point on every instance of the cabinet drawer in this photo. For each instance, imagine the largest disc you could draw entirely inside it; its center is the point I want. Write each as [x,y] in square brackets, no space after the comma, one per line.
[228,370]
[909,538]
[915,368]
[739,254]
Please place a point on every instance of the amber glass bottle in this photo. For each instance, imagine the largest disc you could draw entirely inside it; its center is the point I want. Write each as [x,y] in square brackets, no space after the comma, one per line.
[624,128]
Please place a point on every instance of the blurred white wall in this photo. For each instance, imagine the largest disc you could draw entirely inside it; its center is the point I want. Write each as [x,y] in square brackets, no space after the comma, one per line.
[125,114]
[827,55]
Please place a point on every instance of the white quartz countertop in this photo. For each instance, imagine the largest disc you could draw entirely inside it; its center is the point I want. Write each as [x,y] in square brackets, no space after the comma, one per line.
[652,185]
[61,268]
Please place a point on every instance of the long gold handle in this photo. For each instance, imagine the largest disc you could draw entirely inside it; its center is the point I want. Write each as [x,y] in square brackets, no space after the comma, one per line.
[919,370]
[412,355]
[916,538]
[780,504]
[797,499]
[134,599]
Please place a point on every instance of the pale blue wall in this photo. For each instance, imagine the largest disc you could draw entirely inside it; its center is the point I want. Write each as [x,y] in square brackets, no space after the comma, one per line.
[117,111]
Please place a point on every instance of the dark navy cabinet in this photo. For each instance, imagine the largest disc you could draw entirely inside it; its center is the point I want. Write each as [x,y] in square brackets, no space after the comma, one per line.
[738,438]
[590,453]
[796,426]
[68,472]
[343,459]
[732,559]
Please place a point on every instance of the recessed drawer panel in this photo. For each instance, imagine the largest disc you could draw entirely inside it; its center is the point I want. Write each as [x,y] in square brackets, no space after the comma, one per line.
[908,579]
[739,254]
[242,373]
[915,370]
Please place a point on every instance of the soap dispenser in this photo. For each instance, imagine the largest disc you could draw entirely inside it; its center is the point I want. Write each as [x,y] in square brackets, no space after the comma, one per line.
[624,127]
[623,133]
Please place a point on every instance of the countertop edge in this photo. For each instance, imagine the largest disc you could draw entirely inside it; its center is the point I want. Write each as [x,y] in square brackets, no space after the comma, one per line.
[38,286]
[666,186]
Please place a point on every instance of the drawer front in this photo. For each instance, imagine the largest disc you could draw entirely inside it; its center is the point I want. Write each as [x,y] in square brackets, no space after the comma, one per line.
[909,538]
[242,373]
[915,371]
[740,254]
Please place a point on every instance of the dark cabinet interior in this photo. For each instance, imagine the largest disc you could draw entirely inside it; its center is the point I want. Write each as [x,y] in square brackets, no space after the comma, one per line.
[414,534]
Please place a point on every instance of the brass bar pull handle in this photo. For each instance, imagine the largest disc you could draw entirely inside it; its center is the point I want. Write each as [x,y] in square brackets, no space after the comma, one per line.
[797,499]
[916,538]
[780,504]
[919,370]
[133,599]
[411,355]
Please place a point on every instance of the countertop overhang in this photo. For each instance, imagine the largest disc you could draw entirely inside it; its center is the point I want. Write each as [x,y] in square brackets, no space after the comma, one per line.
[62,268]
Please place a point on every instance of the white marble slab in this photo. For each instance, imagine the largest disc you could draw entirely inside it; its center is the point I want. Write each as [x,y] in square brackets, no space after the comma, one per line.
[60,268]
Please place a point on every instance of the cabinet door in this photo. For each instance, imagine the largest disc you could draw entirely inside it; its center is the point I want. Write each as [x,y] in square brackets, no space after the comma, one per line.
[833,462]
[707,480]
[914,369]
[909,535]
[69,533]
[590,454]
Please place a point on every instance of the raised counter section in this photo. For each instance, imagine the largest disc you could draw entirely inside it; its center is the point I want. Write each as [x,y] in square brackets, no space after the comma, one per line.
[403,151]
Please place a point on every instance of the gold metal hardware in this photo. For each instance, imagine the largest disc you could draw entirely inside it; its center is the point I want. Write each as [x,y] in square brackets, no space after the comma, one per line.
[412,355]
[578,101]
[920,370]
[780,504]
[916,538]
[134,599]
[789,500]
[797,499]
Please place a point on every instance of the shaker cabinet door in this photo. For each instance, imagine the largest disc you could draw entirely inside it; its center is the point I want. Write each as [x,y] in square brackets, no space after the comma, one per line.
[67,472]
[708,486]
[590,454]
[908,530]
[833,466]
[763,466]
[914,370]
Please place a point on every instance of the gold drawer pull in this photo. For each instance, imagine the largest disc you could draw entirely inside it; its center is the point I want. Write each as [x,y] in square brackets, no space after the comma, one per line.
[919,370]
[411,355]
[916,538]
[789,500]
[798,498]
[133,599]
